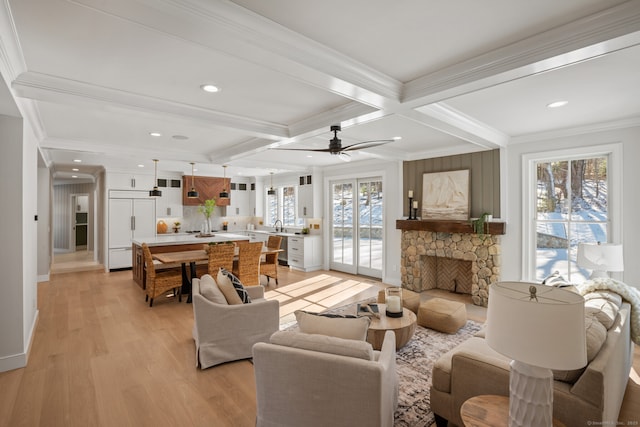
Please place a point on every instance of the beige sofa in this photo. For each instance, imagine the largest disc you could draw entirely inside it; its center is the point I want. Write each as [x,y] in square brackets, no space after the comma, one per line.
[315,380]
[594,398]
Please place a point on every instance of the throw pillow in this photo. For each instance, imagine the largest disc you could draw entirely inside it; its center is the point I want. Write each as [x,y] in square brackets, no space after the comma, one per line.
[596,335]
[228,289]
[210,290]
[237,284]
[555,279]
[347,328]
[603,309]
[324,344]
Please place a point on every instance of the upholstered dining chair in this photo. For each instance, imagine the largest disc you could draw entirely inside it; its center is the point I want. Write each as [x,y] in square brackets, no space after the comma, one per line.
[269,267]
[220,256]
[158,283]
[247,267]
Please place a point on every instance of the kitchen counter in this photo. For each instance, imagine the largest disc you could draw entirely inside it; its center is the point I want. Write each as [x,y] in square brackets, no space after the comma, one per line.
[186,239]
[173,242]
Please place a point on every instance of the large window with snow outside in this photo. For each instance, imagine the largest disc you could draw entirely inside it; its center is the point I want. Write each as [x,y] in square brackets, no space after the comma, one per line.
[283,206]
[572,201]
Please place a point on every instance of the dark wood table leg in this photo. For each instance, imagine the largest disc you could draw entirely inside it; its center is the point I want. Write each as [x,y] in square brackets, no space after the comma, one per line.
[186,283]
[194,274]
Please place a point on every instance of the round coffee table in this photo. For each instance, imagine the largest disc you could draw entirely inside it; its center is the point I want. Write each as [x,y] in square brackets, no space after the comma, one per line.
[403,327]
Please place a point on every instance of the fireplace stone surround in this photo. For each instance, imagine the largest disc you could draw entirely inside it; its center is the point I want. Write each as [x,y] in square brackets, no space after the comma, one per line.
[481,251]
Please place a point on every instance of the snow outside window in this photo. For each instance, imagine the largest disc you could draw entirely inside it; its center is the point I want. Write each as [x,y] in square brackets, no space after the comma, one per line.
[569,202]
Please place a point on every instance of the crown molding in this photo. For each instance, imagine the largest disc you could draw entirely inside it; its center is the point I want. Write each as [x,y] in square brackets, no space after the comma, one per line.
[582,39]
[575,131]
[55,89]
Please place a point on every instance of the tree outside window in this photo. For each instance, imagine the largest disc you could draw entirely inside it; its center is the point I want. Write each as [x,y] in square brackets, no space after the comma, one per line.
[571,208]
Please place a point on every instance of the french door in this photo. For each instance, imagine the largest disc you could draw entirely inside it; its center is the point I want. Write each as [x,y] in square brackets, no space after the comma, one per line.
[357,226]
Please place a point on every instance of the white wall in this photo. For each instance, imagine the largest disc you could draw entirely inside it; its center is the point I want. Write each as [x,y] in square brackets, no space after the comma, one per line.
[512,179]
[391,173]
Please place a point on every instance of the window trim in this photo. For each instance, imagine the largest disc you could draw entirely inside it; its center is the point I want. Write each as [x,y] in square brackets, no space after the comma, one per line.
[612,151]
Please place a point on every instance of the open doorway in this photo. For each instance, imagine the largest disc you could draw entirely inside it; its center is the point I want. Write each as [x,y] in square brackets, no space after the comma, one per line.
[79,222]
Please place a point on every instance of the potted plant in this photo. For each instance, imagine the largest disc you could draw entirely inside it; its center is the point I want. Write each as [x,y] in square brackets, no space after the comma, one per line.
[176,226]
[479,224]
[207,211]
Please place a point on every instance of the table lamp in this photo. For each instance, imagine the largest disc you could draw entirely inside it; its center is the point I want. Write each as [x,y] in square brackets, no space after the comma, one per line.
[541,328]
[601,258]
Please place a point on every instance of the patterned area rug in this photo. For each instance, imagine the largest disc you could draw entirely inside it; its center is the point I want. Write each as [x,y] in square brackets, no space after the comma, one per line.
[414,364]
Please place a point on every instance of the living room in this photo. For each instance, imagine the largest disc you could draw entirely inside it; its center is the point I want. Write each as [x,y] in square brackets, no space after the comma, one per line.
[46,122]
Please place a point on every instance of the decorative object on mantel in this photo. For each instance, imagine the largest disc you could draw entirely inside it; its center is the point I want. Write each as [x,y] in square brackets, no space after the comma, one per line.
[415,209]
[207,211]
[155,192]
[410,204]
[478,224]
[541,328]
[445,195]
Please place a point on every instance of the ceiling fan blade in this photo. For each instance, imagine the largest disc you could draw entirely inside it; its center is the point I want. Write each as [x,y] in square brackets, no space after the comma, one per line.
[345,157]
[324,150]
[366,144]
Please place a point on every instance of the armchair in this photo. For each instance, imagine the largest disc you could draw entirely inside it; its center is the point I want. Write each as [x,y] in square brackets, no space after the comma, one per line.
[224,333]
[327,385]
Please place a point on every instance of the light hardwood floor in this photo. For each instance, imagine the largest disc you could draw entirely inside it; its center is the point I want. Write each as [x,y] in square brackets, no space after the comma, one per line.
[102,357]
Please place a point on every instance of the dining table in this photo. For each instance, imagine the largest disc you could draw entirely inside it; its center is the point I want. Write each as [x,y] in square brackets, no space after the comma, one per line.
[192,257]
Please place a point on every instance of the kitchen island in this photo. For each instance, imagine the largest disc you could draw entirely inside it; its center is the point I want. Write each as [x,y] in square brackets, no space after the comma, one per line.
[163,243]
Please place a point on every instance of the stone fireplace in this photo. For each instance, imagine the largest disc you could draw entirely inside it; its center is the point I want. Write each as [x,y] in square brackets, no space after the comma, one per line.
[458,261]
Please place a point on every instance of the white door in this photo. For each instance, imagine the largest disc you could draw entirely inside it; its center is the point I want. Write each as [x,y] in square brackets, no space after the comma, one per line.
[356,226]
[120,222]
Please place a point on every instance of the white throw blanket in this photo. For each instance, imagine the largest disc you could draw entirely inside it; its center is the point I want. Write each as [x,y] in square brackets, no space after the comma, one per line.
[628,293]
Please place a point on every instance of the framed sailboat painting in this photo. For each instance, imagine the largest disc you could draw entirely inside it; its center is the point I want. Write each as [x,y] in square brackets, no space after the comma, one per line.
[445,195]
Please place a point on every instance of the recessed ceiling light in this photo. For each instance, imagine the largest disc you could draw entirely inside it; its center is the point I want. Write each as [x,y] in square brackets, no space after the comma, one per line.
[396,138]
[74,176]
[210,88]
[75,169]
[181,137]
[140,166]
[155,134]
[557,104]
[309,156]
[77,160]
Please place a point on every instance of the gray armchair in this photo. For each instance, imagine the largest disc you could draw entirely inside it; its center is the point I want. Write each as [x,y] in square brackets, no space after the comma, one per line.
[224,333]
[331,385]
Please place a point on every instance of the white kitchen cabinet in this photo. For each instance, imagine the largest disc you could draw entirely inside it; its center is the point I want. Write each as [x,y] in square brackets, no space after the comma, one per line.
[170,203]
[305,197]
[128,219]
[255,236]
[240,203]
[128,181]
[305,253]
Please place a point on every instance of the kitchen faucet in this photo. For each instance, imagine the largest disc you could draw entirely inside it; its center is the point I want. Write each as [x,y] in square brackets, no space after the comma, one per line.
[275,224]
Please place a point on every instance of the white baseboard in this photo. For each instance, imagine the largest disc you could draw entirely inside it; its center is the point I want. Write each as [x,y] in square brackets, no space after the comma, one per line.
[17,361]
[43,278]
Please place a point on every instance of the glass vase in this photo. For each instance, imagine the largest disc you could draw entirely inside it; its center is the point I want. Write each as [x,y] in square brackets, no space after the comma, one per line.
[393,301]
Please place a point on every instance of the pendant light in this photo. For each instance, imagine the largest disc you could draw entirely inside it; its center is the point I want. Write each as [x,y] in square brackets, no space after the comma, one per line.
[192,194]
[224,194]
[155,192]
[271,191]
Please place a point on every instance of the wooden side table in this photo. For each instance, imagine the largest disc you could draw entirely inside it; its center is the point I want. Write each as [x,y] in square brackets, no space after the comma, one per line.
[489,411]
[403,327]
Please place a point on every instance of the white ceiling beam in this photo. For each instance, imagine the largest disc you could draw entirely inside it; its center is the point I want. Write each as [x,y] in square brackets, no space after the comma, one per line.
[43,87]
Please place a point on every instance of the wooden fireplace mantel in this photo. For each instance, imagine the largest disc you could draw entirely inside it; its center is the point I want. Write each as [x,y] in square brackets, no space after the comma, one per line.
[446,226]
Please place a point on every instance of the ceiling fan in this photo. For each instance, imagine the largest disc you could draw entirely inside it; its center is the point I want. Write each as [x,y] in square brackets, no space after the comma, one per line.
[336,148]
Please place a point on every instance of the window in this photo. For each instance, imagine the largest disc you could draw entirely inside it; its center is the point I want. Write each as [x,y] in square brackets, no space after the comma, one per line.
[283,206]
[569,202]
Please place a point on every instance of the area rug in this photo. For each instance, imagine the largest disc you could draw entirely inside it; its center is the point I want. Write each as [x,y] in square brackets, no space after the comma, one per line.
[414,364]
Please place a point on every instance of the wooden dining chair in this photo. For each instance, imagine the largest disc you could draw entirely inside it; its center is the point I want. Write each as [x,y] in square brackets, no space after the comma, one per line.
[247,267]
[269,267]
[158,283]
[220,256]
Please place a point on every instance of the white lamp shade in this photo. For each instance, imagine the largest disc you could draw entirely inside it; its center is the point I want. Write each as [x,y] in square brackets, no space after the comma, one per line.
[548,333]
[602,257]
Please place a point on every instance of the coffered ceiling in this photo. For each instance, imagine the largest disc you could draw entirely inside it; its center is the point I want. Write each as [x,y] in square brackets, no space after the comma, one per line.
[97,77]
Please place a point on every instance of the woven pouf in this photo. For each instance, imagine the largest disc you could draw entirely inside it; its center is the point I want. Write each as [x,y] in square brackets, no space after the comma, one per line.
[442,315]
[410,299]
